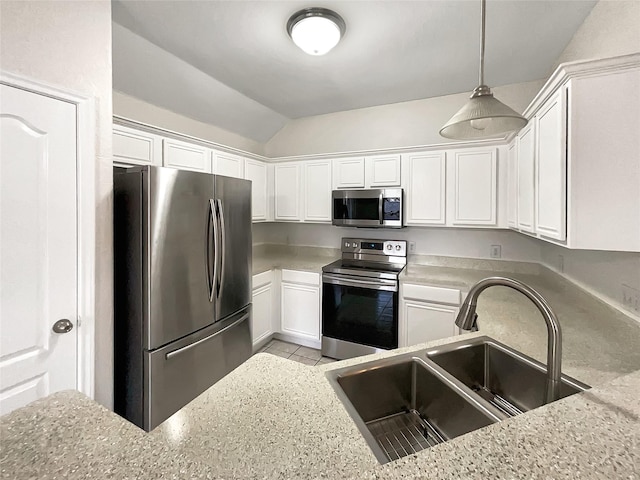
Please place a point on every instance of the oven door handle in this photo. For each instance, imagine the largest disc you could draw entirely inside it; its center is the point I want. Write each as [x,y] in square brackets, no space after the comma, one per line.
[381,208]
[381,284]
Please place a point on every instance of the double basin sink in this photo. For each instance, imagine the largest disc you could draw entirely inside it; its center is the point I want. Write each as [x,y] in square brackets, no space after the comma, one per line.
[417,400]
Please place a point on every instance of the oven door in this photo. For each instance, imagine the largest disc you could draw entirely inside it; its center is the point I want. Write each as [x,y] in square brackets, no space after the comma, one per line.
[362,311]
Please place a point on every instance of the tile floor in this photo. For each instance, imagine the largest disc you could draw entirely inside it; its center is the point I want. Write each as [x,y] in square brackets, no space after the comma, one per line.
[305,355]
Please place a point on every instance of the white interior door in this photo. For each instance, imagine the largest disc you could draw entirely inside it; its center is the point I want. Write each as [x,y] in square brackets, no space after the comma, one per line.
[38,247]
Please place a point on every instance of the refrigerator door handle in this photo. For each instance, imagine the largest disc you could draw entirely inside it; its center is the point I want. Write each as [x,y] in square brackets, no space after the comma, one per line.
[211,278]
[223,250]
[172,354]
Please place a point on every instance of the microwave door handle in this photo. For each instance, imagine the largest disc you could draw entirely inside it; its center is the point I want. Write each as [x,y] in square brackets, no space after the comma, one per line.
[380,208]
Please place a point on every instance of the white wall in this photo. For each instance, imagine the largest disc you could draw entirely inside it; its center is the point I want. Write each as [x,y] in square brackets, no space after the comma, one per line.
[141,111]
[612,28]
[597,271]
[450,242]
[403,124]
[68,44]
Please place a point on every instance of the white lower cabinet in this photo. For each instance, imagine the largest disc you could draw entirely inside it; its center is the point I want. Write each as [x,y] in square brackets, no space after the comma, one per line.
[262,314]
[427,313]
[428,321]
[300,307]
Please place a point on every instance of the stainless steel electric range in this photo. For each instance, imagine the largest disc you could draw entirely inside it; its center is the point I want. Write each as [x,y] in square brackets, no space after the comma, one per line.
[360,298]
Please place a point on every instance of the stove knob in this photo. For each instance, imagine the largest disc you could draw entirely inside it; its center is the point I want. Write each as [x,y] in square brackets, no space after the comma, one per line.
[389,247]
[355,245]
[347,244]
[398,247]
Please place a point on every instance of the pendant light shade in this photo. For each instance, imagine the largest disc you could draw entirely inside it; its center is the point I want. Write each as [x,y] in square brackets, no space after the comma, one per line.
[483,115]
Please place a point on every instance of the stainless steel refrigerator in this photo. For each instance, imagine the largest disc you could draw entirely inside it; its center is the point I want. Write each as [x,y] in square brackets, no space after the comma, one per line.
[182,252]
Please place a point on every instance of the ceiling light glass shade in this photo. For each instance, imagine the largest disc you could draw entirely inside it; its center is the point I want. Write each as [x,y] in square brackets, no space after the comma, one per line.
[316,30]
[482,116]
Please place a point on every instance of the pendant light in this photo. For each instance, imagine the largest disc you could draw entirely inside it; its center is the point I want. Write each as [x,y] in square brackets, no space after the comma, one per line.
[316,30]
[483,115]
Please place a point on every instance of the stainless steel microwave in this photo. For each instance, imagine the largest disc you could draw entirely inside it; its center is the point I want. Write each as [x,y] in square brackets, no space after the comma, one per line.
[377,208]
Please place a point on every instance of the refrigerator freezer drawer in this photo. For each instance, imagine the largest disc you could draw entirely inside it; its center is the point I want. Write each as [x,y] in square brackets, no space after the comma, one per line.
[182,370]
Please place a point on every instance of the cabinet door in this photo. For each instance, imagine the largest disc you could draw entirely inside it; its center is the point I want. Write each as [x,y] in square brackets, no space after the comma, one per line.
[551,169]
[426,322]
[474,187]
[348,173]
[525,171]
[135,147]
[256,171]
[228,164]
[383,171]
[261,314]
[301,310]
[317,191]
[287,191]
[186,156]
[512,185]
[424,181]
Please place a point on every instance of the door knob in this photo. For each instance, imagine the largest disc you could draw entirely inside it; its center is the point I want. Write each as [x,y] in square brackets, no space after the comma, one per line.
[62,326]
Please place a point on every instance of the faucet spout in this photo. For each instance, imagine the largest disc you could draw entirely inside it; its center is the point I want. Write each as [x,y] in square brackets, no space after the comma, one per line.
[467,320]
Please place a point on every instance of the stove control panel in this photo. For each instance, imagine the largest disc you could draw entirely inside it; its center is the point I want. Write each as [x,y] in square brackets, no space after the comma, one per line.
[396,248]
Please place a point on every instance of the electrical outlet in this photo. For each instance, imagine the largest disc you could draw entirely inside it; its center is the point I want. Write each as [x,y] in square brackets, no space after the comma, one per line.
[412,247]
[561,263]
[496,251]
[631,298]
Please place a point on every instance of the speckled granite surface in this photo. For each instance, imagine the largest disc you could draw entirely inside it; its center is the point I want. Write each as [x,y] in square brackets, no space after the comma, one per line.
[274,418]
[308,259]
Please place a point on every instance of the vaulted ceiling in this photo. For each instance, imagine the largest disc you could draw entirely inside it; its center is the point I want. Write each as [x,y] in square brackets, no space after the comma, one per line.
[231,63]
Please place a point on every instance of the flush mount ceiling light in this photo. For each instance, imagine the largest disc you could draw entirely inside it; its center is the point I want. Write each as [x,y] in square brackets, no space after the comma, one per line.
[316,30]
[483,115]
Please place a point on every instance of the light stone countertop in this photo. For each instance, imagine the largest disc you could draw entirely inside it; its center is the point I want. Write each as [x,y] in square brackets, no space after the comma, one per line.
[275,418]
[307,259]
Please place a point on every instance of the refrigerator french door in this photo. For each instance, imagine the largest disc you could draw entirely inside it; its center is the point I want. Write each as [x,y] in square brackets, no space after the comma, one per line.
[182,250]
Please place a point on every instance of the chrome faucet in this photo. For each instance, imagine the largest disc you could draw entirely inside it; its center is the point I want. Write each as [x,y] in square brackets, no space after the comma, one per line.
[467,320]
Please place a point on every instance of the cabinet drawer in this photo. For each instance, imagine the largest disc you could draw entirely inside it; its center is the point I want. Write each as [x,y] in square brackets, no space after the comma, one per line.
[261,279]
[428,293]
[295,276]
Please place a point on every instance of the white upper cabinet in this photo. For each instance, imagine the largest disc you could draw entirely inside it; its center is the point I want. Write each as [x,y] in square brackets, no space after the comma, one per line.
[287,191]
[424,180]
[228,164]
[136,147]
[256,172]
[348,173]
[317,191]
[186,156]
[377,171]
[473,186]
[382,171]
[526,178]
[512,185]
[551,168]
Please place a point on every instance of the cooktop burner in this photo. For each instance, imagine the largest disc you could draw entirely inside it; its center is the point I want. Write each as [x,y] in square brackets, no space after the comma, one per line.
[370,258]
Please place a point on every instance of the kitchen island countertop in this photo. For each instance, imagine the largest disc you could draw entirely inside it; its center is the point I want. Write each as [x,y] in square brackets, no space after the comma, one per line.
[274,418]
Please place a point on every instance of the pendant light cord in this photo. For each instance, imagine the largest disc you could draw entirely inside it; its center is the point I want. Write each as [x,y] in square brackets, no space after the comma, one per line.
[482,22]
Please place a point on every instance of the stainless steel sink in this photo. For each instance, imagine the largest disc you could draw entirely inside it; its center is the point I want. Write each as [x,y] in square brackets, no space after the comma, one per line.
[505,377]
[417,400]
[404,405]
